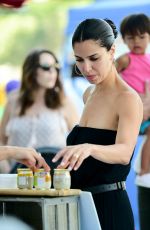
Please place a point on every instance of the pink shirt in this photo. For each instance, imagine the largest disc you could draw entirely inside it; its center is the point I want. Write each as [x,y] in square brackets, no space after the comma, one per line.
[138,71]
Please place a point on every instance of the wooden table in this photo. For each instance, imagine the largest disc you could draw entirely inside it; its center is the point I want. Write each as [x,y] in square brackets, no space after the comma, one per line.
[43,209]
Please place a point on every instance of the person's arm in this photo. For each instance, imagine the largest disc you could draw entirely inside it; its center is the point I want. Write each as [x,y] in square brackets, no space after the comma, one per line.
[122,63]
[4,121]
[70,113]
[26,156]
[11,108]
[130,114]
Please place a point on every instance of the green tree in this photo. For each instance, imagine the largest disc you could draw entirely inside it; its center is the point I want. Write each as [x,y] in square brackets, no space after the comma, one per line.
[36,25]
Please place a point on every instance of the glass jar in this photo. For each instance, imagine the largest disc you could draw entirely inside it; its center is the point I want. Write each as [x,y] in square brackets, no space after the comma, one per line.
[25,178]
[42,179]
[61,179]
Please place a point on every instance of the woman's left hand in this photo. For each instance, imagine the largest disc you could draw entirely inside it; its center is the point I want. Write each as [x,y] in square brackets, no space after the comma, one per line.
[73,156]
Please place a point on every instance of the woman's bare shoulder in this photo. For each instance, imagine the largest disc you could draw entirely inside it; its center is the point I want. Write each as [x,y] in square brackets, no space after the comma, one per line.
[87,93]
[130,108]
[129,98]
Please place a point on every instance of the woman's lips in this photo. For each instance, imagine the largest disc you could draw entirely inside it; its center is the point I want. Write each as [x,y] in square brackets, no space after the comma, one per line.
[90,77]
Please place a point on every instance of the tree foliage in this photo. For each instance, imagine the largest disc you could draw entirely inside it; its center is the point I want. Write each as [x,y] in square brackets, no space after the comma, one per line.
[36,25]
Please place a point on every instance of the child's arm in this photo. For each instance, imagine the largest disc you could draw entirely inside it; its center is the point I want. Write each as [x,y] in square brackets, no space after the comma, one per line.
[122,62]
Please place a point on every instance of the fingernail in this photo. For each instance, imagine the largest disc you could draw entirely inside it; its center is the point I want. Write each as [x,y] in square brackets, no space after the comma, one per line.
[53,160]
[69,168]
[62,163]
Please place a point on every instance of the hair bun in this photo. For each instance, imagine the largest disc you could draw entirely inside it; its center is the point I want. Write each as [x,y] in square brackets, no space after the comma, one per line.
[112,25]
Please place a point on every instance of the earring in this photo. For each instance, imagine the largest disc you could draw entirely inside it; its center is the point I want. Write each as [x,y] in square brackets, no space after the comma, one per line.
[77,71]
[56,89]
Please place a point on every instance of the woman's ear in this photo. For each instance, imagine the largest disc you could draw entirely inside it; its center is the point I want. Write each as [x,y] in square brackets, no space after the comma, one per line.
[112,51]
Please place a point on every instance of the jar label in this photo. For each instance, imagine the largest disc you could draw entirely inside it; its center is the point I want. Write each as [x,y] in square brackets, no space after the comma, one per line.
[41,182]
[22,180]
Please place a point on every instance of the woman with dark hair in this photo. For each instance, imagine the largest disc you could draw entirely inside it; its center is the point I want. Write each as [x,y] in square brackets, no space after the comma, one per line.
[39,114]
[100,148]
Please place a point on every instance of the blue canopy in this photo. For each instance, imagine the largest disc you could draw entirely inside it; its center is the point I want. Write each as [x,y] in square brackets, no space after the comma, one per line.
[115,11]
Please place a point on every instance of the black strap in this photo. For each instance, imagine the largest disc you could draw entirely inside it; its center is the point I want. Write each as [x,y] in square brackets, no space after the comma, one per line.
[106,187]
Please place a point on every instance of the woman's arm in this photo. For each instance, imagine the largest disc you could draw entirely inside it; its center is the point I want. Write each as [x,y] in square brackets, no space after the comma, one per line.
[11,108]
[4,121]
[27,156]
[130,115]
[70,113]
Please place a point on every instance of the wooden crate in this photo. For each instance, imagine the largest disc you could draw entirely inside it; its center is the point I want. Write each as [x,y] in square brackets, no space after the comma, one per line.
[43,213]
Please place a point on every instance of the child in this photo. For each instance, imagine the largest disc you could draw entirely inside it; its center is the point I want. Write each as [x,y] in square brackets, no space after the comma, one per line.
[134,68]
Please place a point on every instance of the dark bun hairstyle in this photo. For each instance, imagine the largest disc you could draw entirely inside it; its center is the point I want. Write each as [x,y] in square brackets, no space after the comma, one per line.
[103,31]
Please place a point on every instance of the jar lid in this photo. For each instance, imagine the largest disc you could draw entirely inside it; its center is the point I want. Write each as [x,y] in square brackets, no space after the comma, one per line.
[39,170]
[23,169]
[61,170]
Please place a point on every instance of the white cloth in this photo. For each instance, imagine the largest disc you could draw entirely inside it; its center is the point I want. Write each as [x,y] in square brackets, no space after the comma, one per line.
[88,216]
[143,180]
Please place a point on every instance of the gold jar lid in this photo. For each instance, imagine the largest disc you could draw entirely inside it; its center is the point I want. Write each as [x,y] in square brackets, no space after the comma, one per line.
[61,170]
[39,170]
[23,169]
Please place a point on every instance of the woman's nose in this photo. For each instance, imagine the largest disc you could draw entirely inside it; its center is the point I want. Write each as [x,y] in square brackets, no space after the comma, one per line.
[86,67]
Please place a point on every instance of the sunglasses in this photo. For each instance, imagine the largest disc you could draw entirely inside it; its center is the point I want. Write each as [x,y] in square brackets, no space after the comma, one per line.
[49,67]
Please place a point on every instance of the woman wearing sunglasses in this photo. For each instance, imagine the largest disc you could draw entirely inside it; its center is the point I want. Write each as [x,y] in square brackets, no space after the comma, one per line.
[39,114]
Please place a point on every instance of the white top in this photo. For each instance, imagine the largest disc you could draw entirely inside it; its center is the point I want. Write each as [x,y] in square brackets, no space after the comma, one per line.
[47,129]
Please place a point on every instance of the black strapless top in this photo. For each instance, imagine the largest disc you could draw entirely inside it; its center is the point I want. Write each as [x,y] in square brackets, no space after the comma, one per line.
[93,172]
